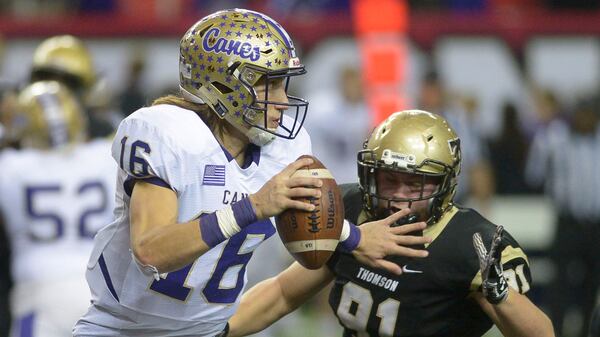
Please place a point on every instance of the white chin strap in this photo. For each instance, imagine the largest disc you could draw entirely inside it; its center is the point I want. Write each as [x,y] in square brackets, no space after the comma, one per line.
[259,137]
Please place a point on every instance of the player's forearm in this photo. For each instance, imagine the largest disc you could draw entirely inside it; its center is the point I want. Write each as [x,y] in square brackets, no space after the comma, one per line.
[170,247]
[519,317]
[164,245]
[274,298]
[260,307]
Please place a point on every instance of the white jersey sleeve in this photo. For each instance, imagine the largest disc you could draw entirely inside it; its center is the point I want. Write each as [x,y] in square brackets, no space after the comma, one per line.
[143,151]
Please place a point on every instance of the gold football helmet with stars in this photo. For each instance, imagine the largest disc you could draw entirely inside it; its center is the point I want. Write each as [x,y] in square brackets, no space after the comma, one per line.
[225,54]
[64,58]
[414,142]
[48,116]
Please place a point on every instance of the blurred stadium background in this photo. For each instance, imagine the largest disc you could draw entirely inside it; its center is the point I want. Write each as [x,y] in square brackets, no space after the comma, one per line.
[502,71]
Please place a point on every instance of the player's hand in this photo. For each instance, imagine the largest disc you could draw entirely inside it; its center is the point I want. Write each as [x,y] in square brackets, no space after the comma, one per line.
[379,239]
[493,283]
[277,194]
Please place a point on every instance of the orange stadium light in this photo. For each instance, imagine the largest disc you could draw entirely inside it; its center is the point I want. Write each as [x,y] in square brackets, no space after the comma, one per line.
[380,27]
[383,59]
[379,16]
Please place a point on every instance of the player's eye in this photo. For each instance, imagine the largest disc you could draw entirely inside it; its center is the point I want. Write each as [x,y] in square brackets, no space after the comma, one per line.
[276,83]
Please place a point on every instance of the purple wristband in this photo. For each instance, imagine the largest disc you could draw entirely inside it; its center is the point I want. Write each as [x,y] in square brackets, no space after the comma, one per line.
[209,228]
[353,239]
[244,213]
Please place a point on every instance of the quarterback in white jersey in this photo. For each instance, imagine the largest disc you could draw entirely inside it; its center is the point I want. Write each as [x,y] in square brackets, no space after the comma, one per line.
[178,151]
[55,193]
[201,174]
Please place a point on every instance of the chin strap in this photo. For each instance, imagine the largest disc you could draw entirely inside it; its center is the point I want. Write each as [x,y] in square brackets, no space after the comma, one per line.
[259,137]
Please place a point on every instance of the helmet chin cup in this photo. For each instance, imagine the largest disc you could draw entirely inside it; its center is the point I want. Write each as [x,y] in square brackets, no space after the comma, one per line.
[405,220]
[259,137]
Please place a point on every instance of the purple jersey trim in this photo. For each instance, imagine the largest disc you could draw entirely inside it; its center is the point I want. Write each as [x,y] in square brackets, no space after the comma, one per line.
[106,276]
[131,180]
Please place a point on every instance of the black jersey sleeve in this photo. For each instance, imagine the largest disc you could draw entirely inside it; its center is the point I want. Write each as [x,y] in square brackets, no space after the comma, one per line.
[352,201]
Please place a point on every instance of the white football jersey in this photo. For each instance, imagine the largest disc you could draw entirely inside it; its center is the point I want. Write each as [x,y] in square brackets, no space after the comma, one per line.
[172,147]
[52,203]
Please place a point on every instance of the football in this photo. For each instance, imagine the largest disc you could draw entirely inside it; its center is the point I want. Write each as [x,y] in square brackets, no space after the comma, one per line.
[311,237]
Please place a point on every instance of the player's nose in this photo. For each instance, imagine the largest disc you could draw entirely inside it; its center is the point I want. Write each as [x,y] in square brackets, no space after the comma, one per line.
[402,191]
[280,99]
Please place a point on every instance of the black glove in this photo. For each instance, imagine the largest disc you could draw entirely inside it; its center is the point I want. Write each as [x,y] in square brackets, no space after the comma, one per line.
[225,331]
[493,283]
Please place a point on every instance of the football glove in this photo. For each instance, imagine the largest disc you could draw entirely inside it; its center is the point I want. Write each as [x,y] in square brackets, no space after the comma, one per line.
[493,283]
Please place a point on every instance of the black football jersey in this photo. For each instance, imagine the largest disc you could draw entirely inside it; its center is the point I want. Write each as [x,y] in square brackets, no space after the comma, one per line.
[432,296]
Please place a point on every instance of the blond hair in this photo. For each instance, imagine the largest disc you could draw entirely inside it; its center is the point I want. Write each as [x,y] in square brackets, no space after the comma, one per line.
[210,118]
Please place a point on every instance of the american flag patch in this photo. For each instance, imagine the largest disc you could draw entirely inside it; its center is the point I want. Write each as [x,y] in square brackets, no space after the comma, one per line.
[214,175]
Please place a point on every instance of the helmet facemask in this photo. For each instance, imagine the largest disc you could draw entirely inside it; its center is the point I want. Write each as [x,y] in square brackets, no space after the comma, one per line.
[423,184]
[292,111]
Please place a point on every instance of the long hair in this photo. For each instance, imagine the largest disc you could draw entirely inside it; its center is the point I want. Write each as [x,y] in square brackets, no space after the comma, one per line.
[214,123]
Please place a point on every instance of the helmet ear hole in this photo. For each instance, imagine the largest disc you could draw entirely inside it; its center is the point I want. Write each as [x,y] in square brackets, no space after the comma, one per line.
[223,89]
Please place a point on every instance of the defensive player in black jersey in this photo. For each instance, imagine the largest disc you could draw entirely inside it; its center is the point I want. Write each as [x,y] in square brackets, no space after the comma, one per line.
[475,274]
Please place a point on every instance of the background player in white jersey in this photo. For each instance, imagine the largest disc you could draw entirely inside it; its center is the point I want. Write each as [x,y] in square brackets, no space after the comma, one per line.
[412,161]
[201,174]
[66,59]
[55,193]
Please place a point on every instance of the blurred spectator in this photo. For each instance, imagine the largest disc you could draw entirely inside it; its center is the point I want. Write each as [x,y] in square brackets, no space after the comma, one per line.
[565,157]
[102,106]
[508,154]
[547,108]
[29,8]
[339,123]
[132,97]
[476,173]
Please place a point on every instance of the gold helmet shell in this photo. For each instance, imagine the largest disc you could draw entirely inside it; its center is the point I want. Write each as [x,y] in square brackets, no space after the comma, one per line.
[414,142]
[64,56]
[225,54]
[48,115]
